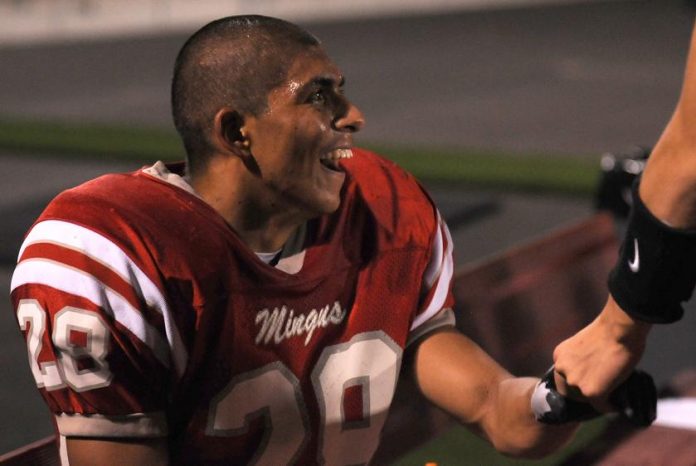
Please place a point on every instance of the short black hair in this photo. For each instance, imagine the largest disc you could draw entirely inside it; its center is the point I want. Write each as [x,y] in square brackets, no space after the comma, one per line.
[234,61]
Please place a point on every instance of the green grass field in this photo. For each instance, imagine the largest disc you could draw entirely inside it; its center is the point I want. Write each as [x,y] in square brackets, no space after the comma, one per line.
[571,176]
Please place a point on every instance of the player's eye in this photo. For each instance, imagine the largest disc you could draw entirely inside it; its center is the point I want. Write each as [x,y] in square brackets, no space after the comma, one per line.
[318,97]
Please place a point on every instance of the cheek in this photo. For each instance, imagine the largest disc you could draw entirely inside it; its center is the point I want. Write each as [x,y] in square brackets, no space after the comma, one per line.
[309,137]
[296,145]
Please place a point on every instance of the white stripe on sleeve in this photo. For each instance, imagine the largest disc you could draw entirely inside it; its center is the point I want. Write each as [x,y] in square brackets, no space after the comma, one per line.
[441,274]
[435,264]
[79,283]
[140,425]
[107,253]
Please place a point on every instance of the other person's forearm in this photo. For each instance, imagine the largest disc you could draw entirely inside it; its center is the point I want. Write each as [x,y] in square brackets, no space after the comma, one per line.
[668,186]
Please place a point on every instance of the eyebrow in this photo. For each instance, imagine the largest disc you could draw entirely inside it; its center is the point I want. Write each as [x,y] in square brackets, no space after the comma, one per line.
[326,81]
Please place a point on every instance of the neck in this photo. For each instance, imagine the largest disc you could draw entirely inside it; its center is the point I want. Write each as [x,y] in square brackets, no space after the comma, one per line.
[263,226]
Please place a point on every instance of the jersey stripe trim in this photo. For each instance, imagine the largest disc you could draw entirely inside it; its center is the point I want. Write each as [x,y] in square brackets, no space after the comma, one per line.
[63,450]
[435,264]
[97,425]
[77,260]
[79,283]
[444,318]
[99,248]
[442,283]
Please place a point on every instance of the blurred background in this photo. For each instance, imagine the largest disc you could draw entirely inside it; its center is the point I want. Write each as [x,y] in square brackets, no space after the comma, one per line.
[502,108]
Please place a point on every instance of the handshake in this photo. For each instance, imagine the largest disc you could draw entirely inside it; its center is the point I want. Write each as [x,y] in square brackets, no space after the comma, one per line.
[635,399]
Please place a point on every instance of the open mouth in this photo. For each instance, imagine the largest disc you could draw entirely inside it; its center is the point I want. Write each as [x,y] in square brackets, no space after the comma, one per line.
[331,159]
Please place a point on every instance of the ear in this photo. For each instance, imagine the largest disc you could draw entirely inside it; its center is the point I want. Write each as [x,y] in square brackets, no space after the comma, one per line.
[228,132]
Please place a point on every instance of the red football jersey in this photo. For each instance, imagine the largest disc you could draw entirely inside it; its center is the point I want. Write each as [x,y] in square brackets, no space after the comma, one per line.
[145,315]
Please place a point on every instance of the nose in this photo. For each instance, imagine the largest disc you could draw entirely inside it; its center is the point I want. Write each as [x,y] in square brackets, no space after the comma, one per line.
[351,119]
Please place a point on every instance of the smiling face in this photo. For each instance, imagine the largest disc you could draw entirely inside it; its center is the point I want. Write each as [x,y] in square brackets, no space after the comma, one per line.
[299,140]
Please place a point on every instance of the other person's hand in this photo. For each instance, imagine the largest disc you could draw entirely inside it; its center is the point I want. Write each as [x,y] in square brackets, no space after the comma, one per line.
[593,362]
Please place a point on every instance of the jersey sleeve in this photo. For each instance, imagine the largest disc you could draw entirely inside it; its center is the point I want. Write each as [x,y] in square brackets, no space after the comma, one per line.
[102,345]
[437,300]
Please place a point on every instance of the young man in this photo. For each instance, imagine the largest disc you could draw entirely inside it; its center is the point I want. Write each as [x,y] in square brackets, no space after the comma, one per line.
[254,304]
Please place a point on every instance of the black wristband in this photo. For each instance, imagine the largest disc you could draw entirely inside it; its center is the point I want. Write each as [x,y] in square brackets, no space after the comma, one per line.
[656,269]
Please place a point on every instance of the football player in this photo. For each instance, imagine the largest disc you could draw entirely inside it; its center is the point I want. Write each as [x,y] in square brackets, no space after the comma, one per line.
[254,304]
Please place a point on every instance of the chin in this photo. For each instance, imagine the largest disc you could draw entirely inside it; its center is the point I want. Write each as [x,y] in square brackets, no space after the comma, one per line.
[325,205]
[314,203]
[329,207]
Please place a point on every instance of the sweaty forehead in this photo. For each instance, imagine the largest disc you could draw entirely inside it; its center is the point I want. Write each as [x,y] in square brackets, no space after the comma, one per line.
[309,65]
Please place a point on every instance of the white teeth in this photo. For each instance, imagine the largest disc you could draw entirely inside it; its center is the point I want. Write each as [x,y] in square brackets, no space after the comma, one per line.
[338,154]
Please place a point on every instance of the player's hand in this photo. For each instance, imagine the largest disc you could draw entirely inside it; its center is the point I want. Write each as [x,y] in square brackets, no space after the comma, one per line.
[593,362]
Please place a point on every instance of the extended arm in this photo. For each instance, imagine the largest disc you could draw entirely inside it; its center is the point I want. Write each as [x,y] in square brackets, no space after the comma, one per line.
[458,376]
[596,359]
[668,186]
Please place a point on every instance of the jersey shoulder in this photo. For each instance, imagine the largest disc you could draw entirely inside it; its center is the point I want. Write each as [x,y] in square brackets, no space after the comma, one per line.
[131,197]
[397,201]
[134,205]
[149,220]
